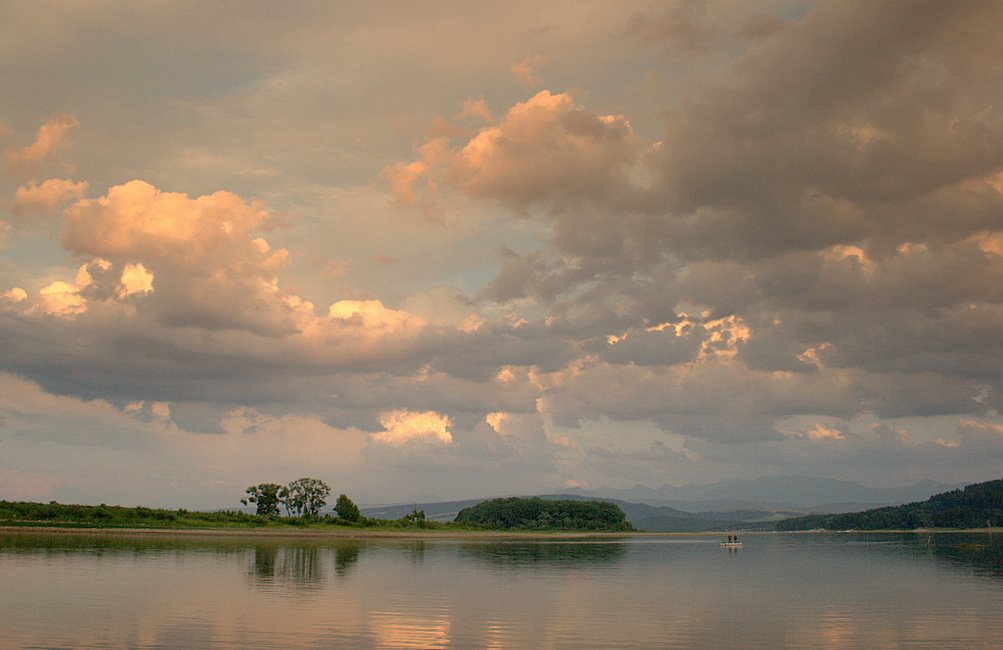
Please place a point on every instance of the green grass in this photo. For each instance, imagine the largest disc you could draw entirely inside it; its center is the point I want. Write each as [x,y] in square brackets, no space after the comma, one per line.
[24,513]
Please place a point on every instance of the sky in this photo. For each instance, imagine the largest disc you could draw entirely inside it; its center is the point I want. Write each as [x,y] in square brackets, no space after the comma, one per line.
[450,250]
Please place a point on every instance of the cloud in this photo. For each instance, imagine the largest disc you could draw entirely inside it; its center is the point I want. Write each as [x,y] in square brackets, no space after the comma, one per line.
[135,280]
[525,71]
[372,316]
[682,27]
[476,108]
[61,299]
[212,267]
[546,149]
[50,136]
[73,450]
[45,199]
[819,432]
[403,426]
[15,295]
[784,230]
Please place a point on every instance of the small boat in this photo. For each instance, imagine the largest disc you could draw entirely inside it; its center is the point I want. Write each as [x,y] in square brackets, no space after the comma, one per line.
[731,544]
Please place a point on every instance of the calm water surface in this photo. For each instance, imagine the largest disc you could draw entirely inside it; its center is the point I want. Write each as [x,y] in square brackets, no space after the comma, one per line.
[799,591]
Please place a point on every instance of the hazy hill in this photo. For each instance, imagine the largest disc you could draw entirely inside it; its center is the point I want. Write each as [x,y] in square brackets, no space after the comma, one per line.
[977,505]
[774,493]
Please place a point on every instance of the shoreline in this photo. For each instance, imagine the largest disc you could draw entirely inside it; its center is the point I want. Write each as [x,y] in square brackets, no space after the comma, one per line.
[334,534]
[425,534]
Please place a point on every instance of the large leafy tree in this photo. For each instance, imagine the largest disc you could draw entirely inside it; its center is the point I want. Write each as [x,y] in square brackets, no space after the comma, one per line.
[347,509]
[267,497]
[306,496]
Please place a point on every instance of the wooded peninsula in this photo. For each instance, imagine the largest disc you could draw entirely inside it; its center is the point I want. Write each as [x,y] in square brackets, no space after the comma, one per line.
[976,506]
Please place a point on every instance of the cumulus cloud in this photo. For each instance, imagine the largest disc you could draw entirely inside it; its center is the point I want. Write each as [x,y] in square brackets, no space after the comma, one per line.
[50,135]
[372,315]
[61,299]
[135,279]
[46,198]
[546,149]
[15,295]
[403,426]
[212,267]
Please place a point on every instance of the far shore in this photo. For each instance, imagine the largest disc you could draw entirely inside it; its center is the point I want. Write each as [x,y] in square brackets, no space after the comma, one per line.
[426,534]
[335,533]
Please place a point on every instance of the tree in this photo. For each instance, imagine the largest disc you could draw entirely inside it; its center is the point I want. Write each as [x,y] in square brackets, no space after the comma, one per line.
[306,496]
[346,509]
[267,496]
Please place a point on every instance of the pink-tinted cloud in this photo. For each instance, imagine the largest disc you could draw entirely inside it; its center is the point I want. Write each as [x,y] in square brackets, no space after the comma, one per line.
[475,108]
[48,139]
[61,299]
[211,265]
[46,198]
[546,149]
[525,71]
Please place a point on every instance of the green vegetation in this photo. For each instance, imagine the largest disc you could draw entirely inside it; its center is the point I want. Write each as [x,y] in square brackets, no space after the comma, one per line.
[521,514]
[105,516]
[540,514]
[21,513]
[302,497]
[347,509]
[267,497]
[978,505]
[306,496]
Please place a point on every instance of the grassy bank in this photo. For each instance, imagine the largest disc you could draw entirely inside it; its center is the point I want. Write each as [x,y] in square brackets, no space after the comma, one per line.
[24,515]
[52,514]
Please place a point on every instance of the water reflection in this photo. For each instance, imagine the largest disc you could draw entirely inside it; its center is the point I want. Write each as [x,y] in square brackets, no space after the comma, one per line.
[820,591]
[400,630]
[296,565]
[346,555]
[301,564]
[98,543]
[556,554]
[982,552]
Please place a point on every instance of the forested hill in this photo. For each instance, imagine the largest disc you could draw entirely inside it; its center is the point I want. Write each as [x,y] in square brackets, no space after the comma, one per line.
[977,505]
[540,514]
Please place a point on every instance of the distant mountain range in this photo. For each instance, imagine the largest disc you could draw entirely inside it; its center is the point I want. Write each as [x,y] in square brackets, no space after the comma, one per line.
[790,493]
[733,504]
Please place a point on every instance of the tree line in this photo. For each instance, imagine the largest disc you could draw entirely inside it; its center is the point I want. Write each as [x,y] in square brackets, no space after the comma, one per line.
[977,505]
[304,497]
[544,514]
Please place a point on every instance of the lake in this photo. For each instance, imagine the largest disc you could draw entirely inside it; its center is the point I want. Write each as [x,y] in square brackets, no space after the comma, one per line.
[794,590]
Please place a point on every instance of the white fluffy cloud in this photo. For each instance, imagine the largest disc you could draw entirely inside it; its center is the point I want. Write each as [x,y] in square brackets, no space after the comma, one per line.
[403,426]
